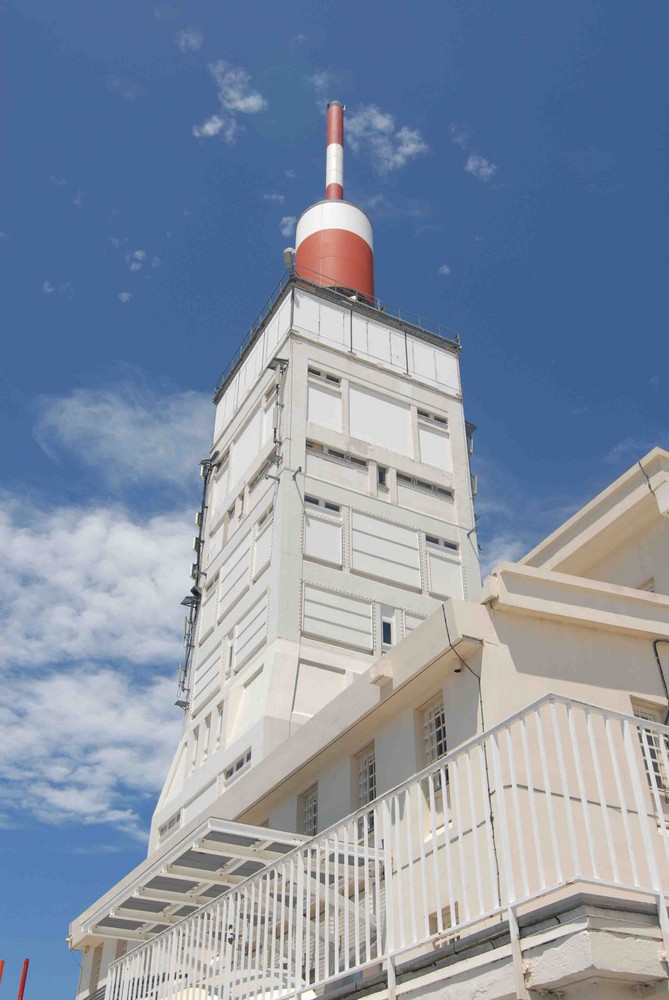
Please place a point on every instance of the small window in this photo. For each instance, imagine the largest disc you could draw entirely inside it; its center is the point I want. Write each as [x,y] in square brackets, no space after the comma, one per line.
[334,453]
[382,477]
[422,484]
[387,630]
[432,418]
[366,767]
[334,508]
[173,823]
[237,766]
[441,543]
[325,376]
[219,724]
[434,736]
[195,741]
[309,812]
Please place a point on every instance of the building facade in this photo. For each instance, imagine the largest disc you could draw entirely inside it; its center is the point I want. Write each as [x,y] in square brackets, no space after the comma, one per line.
[390,779]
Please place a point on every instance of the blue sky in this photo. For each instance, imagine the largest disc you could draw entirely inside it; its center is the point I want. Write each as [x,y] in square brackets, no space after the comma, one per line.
[513,159]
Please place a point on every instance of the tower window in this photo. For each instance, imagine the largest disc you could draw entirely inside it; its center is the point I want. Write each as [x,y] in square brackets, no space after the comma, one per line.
[325,376]
[334,508]
[422,484]
[441,543]
[432,418]
[382,476]
[237,766]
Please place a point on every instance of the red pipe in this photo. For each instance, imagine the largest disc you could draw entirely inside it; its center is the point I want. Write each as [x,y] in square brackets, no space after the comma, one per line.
[24,974]
[2,968]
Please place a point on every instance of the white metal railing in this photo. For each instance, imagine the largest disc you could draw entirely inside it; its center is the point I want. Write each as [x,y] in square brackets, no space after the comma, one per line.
[560,792]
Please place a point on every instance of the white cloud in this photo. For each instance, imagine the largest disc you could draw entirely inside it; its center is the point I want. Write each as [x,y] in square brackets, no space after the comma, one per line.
[116,241]
[290,173]
[89,583]
[322,82]
[73,741]
[156,262]
[278,198]
[444,269]
[130,433]
[78,200]
[58,181]
[48,288]
[124,296]
[390,148]
[287,225]
[66,289]
[459,136]
[236,97]
[135,259]
[212,126]
[479,167]
[189,39]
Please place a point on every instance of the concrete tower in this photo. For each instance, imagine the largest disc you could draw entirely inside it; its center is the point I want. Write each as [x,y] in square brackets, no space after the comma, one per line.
[338,505]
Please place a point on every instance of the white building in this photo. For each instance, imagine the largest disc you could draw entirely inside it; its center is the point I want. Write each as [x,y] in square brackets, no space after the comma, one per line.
[391,781]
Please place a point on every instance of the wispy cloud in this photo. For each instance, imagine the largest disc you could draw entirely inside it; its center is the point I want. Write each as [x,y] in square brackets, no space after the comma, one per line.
[189,39]
[58,181]
[156,262]
[135,259]
[124,296]
[117,241]
[130,432]
[278,198]
[390,147]
[476,165]
[78,200]
[73,740]
[287,225]
[479,167]
[444,269]
[48,288]
[635,446]
[236,97]
[65,289]
[291,174]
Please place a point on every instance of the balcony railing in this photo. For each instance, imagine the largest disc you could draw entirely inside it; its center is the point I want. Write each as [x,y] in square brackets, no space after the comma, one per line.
[558,794]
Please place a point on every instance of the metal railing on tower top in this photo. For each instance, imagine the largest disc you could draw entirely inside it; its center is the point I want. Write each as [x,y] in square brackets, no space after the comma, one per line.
[382,306]
[560,793]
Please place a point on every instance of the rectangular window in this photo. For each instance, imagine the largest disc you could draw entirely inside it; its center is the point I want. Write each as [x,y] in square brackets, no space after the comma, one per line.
[422,484]
[334,453]
[237,766]
[432,418]
[655,750]
[434,736]
[206,737]
[173,823]
[325,376]
[388,630]
[195,741]
[309,812]
[441,543]
[366,786]
[219,724]
[382,477]
[323,504]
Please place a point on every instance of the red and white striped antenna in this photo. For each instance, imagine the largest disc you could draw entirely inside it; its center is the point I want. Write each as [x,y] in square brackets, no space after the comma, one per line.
[334,246]
[334,155]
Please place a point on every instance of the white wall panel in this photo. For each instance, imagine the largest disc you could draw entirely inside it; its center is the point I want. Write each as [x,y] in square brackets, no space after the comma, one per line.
[411,621]
[421,360]
[207,679]
[379,420]
[322,539]
[337,618]
[324,406]
[251,632]
[430,503]
[246,446]
[262,548]
[447,370]
[307,313]
[384,550]
[355,477]
[316,686]
[335,325]
[250,706]
[445,576]
[234,577]
[207,618]
[435,448]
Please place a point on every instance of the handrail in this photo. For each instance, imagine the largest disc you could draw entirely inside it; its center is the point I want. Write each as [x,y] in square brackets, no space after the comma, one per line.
[511,815]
